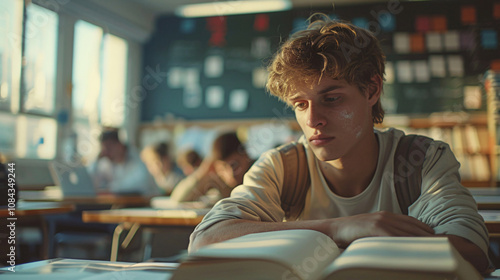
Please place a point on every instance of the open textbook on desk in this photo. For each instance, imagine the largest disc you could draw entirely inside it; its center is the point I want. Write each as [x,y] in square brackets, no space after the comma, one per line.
[307,254]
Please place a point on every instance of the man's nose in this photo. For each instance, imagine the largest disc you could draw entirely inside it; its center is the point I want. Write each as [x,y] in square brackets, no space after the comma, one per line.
[315,117]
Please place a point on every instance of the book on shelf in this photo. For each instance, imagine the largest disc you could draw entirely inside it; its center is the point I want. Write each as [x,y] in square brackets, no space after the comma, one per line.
[307,254]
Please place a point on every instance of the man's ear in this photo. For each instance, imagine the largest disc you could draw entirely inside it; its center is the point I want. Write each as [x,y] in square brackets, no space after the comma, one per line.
[374,89]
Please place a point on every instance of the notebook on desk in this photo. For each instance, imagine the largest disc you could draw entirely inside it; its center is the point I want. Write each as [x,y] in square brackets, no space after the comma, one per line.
[75,181]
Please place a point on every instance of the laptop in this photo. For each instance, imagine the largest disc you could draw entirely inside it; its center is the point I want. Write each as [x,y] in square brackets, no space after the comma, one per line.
[75,181]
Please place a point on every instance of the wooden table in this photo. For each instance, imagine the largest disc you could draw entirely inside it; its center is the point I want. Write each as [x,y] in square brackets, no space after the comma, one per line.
[133,219]
[486,198]
[492,221]
[27,208]
[116,201]
[146,216]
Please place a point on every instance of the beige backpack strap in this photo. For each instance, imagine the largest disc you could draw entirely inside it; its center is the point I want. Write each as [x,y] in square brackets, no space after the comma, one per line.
[408,161]
[296,180]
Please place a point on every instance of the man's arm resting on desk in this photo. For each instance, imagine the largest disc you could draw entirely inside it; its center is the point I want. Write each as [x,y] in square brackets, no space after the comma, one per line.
[342,230]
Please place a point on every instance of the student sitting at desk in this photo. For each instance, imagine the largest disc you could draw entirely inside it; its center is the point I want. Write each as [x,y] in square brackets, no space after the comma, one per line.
[118,169]
[188,161]
[331,75]
[220,172]
[160,165]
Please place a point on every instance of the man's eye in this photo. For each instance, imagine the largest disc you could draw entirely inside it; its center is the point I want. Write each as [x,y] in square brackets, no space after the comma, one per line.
[299,105]
[331,99]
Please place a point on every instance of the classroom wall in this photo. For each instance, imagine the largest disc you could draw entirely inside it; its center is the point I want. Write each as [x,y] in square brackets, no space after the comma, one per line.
[436,52]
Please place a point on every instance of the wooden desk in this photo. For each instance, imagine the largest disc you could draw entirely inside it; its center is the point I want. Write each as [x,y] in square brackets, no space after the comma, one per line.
[492,221]
[26,208]
[146,216]
[486,198]
[116,201]
[133,219]
[91,269]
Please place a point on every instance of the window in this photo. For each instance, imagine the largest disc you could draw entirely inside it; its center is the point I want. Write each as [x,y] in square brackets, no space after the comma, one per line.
[30,78]
[39,69]
[23,135]
[11,17]
[99,84]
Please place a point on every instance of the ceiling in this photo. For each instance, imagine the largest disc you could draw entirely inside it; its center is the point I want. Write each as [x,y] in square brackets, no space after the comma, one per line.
[168,6]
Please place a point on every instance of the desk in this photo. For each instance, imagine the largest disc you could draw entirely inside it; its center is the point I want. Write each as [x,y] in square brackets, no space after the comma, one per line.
[492,221]
[486,198]
[25,208]
[133,219]
[116,201]
[146,216]
[90,269]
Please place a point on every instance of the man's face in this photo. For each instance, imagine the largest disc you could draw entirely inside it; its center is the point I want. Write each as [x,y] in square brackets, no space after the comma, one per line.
[334,116]
[232,169]
[113,150]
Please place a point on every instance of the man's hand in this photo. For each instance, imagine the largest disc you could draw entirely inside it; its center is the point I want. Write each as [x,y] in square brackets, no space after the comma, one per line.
[345,230]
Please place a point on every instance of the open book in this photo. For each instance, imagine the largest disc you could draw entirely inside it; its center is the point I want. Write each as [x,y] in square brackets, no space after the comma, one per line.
[307,254]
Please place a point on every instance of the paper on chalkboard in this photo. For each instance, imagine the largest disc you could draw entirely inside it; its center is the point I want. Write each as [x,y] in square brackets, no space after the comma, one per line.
[214,66]
[259,77]
[214,97]
[421,70]
[437,65]
[452,41]
[402,42]
[175,77]
[404,71]
[238,100]
[434,43]
[455,65]
[192,96]
[261,47]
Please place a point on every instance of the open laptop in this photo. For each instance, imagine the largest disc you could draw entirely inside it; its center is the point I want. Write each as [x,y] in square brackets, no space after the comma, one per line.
[75,181]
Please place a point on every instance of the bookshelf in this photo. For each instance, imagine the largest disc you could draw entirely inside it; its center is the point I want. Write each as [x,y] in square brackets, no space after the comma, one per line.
[467,134]
[492,88]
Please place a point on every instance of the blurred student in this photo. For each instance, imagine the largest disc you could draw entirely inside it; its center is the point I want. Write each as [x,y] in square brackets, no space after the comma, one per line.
[119,169]
[188,160]
[161,166]
[220,172]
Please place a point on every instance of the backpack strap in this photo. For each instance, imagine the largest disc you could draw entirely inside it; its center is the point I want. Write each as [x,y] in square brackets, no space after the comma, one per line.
[296,180]
[408,161]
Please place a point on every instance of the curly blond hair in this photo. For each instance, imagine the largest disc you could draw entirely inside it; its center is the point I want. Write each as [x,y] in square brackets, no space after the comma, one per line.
[335,49]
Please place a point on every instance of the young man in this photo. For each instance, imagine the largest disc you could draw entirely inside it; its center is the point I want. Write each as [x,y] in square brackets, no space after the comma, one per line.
[160,164]
[331,75]
[119,169]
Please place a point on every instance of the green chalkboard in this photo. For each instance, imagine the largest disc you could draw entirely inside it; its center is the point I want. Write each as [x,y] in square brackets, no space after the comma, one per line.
[205,68]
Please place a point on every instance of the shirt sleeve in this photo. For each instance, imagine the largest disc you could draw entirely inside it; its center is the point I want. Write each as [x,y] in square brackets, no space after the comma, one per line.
[445,204]
[257,199]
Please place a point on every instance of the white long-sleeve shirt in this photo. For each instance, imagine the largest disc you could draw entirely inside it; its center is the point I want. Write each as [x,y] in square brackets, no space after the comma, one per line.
[131,176]
[444,204]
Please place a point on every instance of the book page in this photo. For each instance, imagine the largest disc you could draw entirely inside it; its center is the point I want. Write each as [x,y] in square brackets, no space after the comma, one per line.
[418,256]
[306,252]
